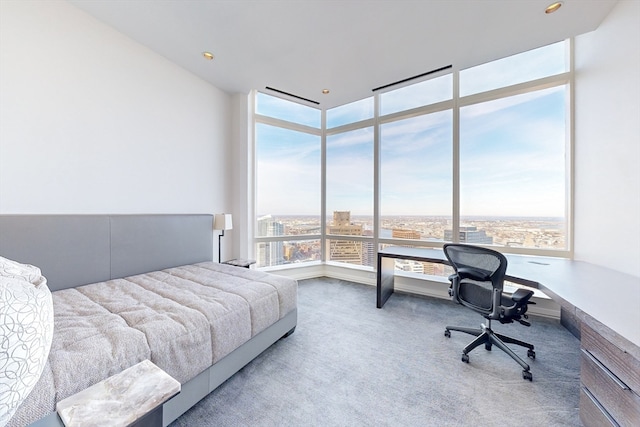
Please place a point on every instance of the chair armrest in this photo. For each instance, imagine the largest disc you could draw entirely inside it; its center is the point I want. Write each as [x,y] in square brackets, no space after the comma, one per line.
[521,296]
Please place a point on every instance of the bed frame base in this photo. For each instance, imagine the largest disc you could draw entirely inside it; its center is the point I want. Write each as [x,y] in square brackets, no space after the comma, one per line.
[208,380]
[74,250]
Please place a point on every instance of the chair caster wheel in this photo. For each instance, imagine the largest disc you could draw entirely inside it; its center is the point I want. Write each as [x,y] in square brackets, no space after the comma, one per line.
[465,358]
[447,333]
[527,375]
[531,354]
[487,346]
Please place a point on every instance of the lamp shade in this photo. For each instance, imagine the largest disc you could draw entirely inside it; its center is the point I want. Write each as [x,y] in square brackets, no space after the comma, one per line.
[222,222]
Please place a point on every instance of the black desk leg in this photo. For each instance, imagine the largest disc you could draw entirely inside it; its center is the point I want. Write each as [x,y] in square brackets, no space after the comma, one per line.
[386,268]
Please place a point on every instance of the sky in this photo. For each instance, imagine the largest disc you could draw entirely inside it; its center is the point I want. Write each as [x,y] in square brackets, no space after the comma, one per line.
[512,150]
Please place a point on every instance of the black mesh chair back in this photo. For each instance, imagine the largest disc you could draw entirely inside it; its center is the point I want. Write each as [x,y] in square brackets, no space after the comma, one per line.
[480,273]
[478,283]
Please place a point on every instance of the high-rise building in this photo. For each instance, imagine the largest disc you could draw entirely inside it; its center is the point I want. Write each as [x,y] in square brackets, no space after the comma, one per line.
[347,251]
[368,250]
[469,234]
[270,253]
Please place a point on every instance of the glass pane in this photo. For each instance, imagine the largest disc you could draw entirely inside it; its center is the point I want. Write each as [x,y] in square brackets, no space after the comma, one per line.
[287,174]
[269,254]
[417,95]
[350,113]
[416,177]
[512,170]
[350,173]
[351,252]
[531,65]
[419,267]
[282,109]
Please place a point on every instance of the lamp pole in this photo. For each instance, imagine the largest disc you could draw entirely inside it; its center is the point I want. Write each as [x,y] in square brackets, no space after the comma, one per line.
[220,246]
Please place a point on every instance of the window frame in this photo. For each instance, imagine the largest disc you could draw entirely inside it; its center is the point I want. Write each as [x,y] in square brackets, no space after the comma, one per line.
[454,104]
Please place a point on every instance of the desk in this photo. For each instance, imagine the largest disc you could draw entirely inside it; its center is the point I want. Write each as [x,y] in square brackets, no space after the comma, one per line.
[599,305]
[611,297]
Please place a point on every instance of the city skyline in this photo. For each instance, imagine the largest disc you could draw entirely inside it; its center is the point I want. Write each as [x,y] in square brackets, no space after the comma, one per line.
[514,217]
[527,232]
[512,225]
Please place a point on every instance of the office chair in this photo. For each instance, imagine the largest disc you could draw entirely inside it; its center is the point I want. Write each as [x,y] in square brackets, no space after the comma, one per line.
[477,284]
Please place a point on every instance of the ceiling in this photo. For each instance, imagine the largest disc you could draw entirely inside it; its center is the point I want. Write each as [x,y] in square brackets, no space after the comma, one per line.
[347,46]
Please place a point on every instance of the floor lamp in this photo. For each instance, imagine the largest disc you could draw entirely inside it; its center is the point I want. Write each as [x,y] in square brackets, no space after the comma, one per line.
[221,222]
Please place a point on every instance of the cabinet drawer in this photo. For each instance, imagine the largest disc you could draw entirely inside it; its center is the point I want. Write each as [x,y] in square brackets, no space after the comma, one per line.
[622,404]
[619,360]
[592,414]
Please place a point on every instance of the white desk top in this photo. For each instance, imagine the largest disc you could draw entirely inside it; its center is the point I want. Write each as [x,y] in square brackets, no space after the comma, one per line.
[609,296]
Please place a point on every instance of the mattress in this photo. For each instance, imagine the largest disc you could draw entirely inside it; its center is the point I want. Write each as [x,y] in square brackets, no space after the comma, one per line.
[183,319]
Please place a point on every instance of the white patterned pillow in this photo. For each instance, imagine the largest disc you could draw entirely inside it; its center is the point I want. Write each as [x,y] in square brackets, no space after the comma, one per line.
[26,330]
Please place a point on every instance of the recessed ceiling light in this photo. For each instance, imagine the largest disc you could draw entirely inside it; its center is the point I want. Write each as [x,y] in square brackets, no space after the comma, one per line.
[553,7]
[207,55]
[325,91]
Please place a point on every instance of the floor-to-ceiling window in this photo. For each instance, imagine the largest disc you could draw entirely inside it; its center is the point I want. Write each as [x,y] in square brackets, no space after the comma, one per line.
[480,156]
[350,184]
[515,152]
[287,182]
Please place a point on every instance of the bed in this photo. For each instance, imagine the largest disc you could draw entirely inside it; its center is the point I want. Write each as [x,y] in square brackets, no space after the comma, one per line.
[126,288]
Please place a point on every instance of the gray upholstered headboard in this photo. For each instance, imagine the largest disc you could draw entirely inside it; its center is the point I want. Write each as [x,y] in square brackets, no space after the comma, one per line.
[73,250]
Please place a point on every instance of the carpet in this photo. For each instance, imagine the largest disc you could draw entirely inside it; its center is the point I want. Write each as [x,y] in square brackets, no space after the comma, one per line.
[351,364]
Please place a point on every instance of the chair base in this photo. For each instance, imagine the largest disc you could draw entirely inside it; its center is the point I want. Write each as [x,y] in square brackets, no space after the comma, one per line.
[489,338]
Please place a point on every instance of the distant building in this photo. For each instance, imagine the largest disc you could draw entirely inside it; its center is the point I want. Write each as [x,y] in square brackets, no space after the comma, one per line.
[469,235]
[270,253]
[404,233]
[429,268]
[346,251]
[407,265]
[341,218]
[437,269]
[369,253]
[288,252]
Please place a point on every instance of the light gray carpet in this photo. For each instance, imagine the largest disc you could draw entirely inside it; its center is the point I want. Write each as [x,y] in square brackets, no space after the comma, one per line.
[351,364]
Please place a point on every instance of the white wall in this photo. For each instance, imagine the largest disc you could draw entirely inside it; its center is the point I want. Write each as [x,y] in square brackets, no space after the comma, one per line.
[93,122]
[607,189]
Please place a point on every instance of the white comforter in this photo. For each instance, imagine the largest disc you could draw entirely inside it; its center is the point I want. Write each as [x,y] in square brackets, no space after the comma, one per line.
[183,319]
